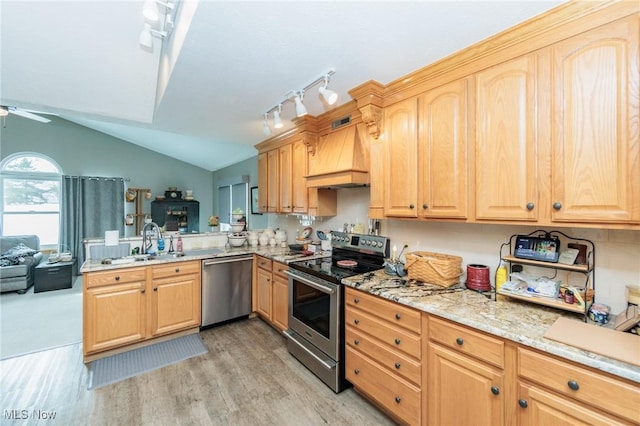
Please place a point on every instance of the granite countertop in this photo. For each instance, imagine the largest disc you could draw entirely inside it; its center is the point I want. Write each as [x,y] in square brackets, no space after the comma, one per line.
[521,322]
[275,253]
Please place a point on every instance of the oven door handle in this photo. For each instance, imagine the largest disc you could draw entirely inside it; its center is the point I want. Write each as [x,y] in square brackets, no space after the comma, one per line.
[310,283]
[289,336]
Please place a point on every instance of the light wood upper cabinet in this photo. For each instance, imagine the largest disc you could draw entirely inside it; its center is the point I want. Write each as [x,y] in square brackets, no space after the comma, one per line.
[443,143]
[273,181]
[299,192]
[263,180]
[506,141]
[401,159]
[285,204]
[595,127]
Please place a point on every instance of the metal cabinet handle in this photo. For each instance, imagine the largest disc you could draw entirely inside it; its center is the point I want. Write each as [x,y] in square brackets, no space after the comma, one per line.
[530,206]
[523,403]
[142,290]
[459,341]
[356,342]
[155,289]
[424,206]
[398,399]
[397,341]
[117,277]
[356,300]
[177,270]
[573,385]
[356,371]
[411,206]
[397,365]
[495,390]
[557,205]
[356,321]
[397,316]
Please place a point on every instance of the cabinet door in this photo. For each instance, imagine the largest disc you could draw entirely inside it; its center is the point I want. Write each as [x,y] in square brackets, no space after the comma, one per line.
[299,194]
[280,302]
[443,151]
[284,173]
[175,304]
[263,182]
[540,407]
[595,137]
[124,307]
[401,158]
[263,290]
[273,185]
[462,391]
[506,141]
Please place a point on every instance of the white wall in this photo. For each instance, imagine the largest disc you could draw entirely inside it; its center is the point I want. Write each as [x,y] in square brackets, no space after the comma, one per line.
[617,251]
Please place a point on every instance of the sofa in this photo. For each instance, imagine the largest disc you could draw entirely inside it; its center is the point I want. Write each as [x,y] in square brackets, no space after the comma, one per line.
[19,256]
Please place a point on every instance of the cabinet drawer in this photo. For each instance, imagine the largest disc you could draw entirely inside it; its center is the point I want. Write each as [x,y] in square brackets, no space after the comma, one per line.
[387,310]
[397,396]
[584,385]
[176,268]
[279,268]
[396,337]
[467,341]
[264,263]
[395,361]
[118,276]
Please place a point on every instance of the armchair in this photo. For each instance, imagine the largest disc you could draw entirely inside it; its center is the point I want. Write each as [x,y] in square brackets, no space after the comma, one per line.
[19,277]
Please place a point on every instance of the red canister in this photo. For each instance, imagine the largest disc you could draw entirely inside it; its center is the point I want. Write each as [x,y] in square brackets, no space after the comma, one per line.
[478,278]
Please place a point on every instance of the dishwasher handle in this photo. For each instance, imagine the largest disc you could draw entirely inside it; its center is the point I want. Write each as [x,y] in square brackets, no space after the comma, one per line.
[226,260]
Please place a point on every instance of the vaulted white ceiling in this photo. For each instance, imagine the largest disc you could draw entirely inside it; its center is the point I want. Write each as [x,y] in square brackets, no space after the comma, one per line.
[200,96]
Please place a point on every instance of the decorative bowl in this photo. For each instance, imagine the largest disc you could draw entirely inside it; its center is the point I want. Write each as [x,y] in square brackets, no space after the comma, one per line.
[237,227]
[237,241]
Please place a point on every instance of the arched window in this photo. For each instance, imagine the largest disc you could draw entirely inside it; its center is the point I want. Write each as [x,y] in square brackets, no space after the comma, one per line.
[30,189]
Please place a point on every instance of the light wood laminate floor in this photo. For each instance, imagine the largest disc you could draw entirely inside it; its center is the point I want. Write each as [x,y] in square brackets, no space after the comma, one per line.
[246,378]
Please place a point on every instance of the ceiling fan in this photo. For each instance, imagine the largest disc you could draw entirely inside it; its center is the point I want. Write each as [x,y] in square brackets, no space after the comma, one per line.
[33,115]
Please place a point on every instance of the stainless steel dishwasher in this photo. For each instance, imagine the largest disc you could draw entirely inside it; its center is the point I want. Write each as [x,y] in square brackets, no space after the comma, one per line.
[226,289]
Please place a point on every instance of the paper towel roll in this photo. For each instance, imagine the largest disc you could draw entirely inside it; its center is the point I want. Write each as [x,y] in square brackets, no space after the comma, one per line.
[111,238]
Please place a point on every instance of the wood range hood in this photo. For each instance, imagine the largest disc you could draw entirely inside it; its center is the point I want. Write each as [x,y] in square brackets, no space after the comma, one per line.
[340,159]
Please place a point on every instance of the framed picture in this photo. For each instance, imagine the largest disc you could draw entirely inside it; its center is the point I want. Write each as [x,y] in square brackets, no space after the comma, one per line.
[254,200]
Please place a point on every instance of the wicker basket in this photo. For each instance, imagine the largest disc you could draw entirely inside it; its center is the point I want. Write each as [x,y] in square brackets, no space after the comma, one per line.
[434,268]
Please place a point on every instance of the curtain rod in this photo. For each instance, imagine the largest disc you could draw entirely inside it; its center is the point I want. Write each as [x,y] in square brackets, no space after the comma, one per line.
[99,177]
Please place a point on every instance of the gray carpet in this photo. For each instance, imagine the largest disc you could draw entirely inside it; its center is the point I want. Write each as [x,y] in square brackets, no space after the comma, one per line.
[122,366]
[34,322]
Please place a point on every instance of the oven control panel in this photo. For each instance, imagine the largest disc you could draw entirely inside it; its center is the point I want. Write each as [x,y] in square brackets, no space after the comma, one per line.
[369,243]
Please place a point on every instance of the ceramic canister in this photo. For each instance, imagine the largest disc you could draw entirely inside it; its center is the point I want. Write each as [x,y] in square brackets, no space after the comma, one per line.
[478,277]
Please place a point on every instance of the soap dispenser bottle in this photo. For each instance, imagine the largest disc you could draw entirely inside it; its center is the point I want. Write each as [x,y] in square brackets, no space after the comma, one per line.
[179,245]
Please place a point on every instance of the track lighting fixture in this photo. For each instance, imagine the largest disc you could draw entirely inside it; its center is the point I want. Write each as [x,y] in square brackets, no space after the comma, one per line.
[297,98]
[157,14]
[265,125]
[329,95]
[300,108]
[277,121]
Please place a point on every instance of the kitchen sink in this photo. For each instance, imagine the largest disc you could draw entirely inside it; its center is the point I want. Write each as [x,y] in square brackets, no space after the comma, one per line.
[125,259]
[202,252]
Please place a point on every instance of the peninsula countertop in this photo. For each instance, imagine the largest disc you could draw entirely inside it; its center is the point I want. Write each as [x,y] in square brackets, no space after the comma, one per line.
[521,322]
[278,254]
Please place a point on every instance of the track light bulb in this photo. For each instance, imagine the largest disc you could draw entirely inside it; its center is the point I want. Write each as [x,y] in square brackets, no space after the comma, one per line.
[300,108]
[277,121]
[329,95]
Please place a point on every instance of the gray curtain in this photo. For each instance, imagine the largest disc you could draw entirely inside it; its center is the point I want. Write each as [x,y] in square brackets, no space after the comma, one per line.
[89,206]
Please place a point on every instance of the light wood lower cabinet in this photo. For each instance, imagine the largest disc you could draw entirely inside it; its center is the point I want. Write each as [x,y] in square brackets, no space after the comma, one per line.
[271,290]
[383,354]
[175,297]
[132,305]
[552,391]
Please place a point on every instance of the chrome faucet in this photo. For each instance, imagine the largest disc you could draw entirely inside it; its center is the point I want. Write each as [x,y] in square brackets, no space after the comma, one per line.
[145,247]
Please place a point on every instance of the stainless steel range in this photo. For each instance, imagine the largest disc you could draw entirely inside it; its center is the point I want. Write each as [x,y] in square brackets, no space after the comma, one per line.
[316,309]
